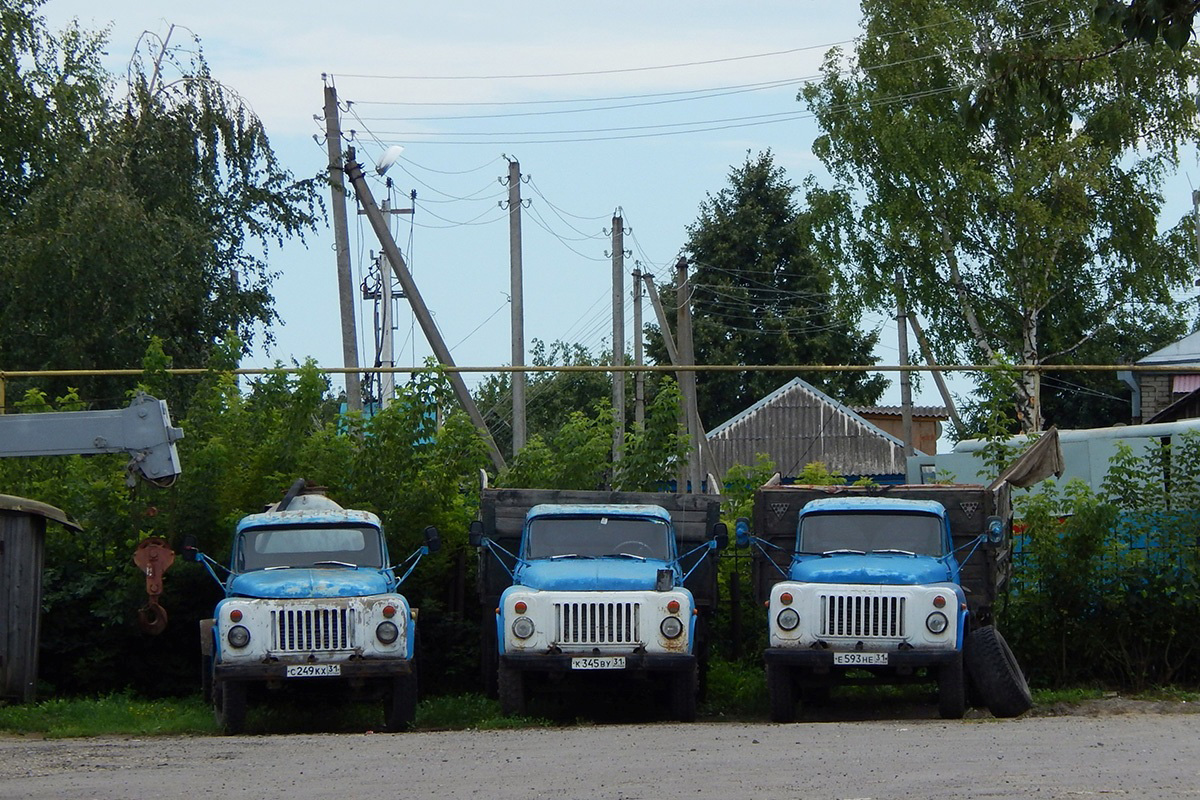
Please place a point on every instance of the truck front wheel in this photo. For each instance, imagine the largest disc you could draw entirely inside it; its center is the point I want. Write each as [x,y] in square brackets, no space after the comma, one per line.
[511,685]
[229,699]
[781,693]
[952,689]
[683,694]
[400,704]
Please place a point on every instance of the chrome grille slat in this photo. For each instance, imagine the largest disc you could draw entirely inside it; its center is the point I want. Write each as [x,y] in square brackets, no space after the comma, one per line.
[862,616]
[302,630]
[596,623]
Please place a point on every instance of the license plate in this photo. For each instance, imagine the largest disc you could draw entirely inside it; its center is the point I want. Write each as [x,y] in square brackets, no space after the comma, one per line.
[857,659]
[590,662]
[314,670]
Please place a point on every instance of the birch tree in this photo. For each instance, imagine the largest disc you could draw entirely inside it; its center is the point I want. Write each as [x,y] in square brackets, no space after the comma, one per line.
[1011,177]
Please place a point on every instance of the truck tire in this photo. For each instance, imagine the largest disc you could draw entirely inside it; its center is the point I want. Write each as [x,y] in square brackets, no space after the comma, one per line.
[952,689]
[683,694]
[997,676]
[511,685]
[400,704]
[490,658]
[206,681]
[229,700]
[781,693]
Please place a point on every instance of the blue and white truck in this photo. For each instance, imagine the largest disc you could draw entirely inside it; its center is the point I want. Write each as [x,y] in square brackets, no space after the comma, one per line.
[311,602]
[583,587]
[891,584]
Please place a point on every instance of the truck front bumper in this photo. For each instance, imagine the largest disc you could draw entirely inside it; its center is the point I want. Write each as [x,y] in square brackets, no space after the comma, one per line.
[360,669]
[820,661]
[634,662]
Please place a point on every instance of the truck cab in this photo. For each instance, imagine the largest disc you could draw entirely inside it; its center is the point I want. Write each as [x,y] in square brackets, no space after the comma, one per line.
[311,599]
[597,588]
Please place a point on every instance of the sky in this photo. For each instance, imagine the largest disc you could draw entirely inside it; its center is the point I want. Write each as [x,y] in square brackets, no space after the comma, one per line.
[641,108]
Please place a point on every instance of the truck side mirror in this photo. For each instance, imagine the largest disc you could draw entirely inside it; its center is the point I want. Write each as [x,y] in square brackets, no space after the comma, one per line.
[190,551]
[741,530]
[720,535]
[475,534]
[664,580]
[432,540]
[995,530]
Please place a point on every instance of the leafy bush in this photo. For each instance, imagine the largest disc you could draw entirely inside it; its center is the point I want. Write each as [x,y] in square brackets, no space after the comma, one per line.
[1106,588]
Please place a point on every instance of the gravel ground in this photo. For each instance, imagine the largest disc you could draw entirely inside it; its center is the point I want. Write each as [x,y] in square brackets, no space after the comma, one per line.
[1109,748]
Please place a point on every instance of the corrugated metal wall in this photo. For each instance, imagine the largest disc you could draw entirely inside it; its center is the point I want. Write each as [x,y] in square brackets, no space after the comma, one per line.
[797,426]
[22,538]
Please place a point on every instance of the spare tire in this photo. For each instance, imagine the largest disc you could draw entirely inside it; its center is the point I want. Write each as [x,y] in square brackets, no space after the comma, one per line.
[995,673]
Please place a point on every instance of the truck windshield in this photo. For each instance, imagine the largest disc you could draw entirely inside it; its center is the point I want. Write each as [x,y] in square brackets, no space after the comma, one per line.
[309,545]
[871,531]
[592,537]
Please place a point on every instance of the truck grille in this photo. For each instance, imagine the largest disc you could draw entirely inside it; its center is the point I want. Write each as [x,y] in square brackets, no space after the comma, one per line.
[862,616]
[308,629]
[596,623]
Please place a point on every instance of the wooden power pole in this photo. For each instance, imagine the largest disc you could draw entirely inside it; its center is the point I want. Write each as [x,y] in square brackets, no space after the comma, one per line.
[687,378]
[639,378]
[341,237]
[618,340]
[516,288]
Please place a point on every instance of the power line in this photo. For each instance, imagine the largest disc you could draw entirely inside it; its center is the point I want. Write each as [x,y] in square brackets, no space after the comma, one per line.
[587,73]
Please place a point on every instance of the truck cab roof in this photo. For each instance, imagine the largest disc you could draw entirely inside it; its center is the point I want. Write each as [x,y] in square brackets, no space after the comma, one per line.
[597,510]
[884,504]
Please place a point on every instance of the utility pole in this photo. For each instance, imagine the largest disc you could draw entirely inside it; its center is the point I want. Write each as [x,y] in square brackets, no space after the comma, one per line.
[639,378]
[341,237]
[387,340]
[938,379]
[1196,216]
[516,289]
[906,421]
[687,378]
[618,340]
[673,355]
[355,173]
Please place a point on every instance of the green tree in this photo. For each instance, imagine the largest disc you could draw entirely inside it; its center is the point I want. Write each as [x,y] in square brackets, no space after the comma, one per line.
[148,216]
[551,397]
[759,298]
[1148,21]
[1021,215]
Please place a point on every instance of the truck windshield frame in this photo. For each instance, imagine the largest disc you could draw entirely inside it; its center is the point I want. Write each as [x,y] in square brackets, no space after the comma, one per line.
[308,545]
[871,531]
[599,536]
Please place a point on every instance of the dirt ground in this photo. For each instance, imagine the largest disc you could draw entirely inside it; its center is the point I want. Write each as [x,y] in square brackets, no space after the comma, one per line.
[1111,747]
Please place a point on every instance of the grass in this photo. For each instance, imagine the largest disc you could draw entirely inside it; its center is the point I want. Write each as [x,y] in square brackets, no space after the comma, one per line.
[735,692]
[127,715]
[59,718]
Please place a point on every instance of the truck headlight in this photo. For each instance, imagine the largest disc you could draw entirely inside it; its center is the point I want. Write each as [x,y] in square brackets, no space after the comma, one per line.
[238,636]
[671,627]
[788,619]
[387,632]
[522,627]
[936,622]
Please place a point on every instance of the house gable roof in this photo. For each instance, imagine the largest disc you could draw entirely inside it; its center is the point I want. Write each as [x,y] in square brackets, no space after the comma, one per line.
[1186,352]
[798,424]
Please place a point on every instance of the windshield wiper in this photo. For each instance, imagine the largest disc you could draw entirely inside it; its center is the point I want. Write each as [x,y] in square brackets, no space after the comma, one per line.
[334,564]
[623,555]
[845,551]
[895,552]
[568,555]
[278,566]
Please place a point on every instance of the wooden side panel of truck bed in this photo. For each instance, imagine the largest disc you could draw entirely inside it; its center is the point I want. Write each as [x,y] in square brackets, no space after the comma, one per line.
[503,514]
[969,505]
